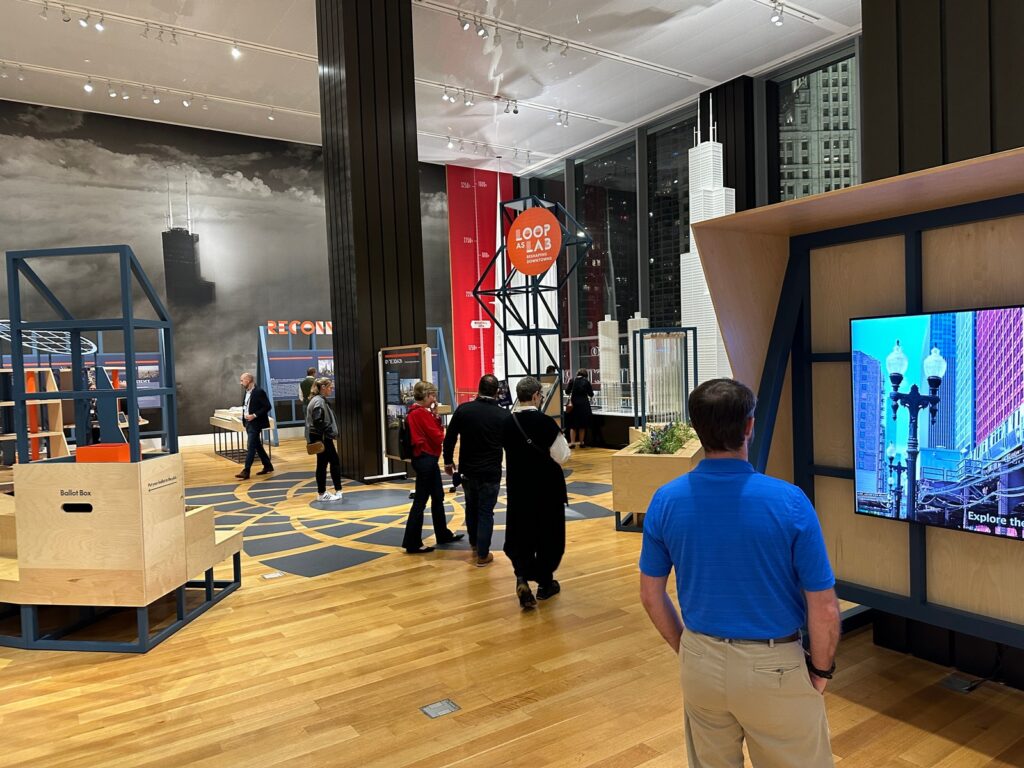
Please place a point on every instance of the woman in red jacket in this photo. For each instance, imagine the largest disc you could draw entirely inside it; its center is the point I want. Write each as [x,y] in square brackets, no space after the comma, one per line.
[427,434]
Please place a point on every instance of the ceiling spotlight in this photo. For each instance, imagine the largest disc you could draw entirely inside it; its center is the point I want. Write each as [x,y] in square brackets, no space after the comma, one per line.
[565,50]
[174,38]
[461,147]
[508,106]
[515,107]
[145,33]
[42,13]
[481,30]
[145,94]
[124,93]
[519,41]
[236,52]
[445,96]
[515,155]
[467,98]
[21,74]
[3,70]
[271,117]
[559,122]
[451,144]
[88,86]
[110,91]
[186,101]
[476,148]
[156,96]
[464,23]
[64,15]
[160,37]
[206,106]
[527,157]
[99,25]
[565,120]
[547,46]
[776,17]
[497,37]
[84,21]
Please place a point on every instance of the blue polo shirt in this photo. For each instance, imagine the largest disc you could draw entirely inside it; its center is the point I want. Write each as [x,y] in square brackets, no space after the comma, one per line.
[744,546]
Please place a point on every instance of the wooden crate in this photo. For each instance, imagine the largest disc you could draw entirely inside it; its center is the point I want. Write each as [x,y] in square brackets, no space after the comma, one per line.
[636,476]
[127,551]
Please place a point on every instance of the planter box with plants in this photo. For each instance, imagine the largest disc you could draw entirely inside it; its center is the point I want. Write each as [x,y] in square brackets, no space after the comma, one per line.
[642,467]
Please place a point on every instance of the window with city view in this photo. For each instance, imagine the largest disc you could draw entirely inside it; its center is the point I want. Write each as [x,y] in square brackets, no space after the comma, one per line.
[818,122]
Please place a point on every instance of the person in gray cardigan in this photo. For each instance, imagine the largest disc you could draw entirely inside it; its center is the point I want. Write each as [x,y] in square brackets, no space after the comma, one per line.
[322,426]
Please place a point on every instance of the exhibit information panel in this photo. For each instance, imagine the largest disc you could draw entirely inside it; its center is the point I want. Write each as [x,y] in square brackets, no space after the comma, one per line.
[401,368]
[938,403]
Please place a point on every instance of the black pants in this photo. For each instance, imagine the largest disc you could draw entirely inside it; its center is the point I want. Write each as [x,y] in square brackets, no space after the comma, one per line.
[535,545]
[255,447]
[329,455]
[428,485]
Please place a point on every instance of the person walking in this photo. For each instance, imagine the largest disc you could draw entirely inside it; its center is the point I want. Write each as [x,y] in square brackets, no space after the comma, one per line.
[322,427]
[427,434]
[477,427]
[256,417]
[578,411]
[535,450]
[751,569]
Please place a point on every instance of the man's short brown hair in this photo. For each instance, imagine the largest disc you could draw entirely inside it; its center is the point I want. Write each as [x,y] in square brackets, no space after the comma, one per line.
[719,410]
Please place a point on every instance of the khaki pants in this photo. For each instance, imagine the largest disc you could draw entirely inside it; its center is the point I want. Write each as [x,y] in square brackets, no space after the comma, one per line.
[733,691]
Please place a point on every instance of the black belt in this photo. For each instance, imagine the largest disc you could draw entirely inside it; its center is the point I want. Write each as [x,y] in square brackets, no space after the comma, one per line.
[770,642]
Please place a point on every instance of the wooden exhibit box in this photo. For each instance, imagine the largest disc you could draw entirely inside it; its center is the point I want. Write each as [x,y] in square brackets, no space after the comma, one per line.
[636,476]
[100,534]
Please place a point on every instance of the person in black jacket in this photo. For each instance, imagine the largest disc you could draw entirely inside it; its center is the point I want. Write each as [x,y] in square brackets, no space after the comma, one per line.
[535,484]
[579,414]
[479,423]
[256,416]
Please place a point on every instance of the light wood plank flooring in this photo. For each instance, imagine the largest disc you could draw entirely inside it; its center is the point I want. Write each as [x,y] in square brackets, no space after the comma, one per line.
[331,671]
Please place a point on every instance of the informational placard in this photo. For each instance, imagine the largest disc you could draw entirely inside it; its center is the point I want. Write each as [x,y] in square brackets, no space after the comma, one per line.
[401,368]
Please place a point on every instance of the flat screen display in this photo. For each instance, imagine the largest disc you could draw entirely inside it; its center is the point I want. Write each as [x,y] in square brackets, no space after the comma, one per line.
[938,406]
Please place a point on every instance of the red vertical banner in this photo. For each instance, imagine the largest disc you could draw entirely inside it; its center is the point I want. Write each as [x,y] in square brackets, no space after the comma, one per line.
[473,198]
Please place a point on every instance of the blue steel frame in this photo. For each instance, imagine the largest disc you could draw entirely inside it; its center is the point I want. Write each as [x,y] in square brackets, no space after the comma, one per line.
[441,350]
[639,371]
[18,267]
[32,638]
[791,335]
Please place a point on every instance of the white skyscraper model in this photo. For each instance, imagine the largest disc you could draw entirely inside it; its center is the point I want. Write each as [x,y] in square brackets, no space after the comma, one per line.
[709,198]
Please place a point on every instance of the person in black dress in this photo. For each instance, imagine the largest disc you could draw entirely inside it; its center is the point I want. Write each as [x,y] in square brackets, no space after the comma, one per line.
[578,416]
[535,449]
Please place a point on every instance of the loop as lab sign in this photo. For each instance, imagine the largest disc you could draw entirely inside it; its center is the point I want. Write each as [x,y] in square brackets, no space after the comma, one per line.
[534,240]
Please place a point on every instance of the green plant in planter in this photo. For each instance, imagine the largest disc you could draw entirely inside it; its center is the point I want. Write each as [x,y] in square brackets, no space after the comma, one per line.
[667,439]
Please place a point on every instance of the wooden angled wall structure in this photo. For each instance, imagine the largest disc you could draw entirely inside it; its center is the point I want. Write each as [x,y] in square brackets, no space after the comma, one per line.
[787,278]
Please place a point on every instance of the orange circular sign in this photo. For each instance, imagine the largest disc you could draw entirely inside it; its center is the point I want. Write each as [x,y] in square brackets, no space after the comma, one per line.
[534,240]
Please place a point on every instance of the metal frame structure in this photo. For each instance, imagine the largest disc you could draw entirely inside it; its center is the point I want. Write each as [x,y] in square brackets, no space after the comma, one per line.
[18,267]
[539,321]
[791,335]
[33,638]
[640,371]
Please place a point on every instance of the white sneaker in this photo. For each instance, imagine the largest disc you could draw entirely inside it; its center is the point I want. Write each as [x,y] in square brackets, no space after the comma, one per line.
[336,496]
[324,497]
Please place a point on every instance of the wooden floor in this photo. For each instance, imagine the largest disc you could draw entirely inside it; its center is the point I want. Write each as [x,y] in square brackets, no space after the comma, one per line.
[332,671]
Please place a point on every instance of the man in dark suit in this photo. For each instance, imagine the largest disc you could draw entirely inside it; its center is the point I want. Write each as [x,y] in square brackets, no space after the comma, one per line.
[256,416]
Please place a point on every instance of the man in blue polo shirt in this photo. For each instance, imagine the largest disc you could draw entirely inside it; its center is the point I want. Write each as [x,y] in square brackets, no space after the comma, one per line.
[751,568]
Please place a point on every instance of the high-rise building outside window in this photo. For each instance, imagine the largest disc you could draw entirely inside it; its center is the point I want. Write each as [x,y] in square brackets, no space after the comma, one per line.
[806,115]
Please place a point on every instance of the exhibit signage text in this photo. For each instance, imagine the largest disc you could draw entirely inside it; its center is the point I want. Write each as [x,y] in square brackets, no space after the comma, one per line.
[534,240]
[303,327]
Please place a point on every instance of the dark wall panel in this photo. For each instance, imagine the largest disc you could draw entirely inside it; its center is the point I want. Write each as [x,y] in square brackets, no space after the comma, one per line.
[920,73]
[965,53]
[368,112]
[1007,45]
[733,107]
[880,92]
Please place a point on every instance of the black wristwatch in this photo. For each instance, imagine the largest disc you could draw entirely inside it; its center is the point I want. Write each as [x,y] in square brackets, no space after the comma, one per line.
[823,674]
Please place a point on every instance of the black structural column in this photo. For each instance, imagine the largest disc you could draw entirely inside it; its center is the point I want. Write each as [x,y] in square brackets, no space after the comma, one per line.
[733,106]
[940,82]
[375,259]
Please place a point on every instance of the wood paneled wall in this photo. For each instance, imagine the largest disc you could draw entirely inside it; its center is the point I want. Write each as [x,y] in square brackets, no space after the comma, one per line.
[940,82]
[375,262]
